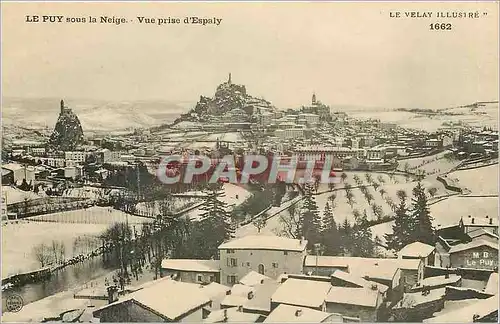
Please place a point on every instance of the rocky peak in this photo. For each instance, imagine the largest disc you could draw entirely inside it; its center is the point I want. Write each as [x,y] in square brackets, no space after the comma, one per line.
[68,132]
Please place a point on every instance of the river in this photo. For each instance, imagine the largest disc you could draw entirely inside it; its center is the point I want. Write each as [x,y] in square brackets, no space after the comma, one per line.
[69,277]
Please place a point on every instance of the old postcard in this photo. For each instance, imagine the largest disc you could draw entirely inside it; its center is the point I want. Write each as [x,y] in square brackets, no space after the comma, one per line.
[276,162]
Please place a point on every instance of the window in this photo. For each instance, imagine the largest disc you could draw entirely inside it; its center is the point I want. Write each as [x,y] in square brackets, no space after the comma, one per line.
[285,252]
[233,262]
[248,264]
[275,265]
[261,269]
[229,251]
[199,278]
[231,280]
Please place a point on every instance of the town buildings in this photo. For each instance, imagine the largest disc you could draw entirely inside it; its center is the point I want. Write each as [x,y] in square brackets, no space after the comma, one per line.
[267,255]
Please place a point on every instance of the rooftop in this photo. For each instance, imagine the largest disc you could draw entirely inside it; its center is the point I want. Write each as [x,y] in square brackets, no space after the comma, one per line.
[12,166]
[265,242]
[298,292]
[358,281]
[439,280]
[365,267]
[480,221]
[416,250]
[466,314]
[294,314]
[166,297]
[253,279]
[492,285]
[472,245]
[191,265]
[353,296]
[231,315]
[417,298]
[481,231]
[261,300]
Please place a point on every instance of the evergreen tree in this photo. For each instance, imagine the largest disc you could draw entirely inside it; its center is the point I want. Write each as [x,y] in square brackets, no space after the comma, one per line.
[345,237]
[216,224]
[401,230]
[423,230]
[362,244]
[329,232]
[310,219]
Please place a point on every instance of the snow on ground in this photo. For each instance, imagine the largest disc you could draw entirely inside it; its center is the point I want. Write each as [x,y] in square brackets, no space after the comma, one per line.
[154,207]
[14,195]
[449,211]
[88,192]
[430,164]
[231,137]
[66,227]
[18,241]
[485,116]
[343,210]
[92,215]
[230,193]
[480,181]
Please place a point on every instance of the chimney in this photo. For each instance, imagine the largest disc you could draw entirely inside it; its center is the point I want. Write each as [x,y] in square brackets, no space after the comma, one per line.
[240,309]
[374,287]
[298,312]
[112,294]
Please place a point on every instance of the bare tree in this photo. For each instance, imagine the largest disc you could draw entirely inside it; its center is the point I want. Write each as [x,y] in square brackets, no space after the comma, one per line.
[290,222]
[260,222]
[432,191]
[42,254]
[402,195]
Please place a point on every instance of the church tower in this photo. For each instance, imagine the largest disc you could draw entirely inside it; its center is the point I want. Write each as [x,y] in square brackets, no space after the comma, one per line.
[314,98]
[229,79]
[62,106]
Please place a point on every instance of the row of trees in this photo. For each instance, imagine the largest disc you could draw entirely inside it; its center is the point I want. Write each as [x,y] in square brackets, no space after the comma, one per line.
[412,223]
[344,239]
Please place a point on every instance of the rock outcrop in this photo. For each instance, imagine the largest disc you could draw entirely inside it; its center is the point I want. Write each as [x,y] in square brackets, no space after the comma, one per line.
[228,96]
[68,132]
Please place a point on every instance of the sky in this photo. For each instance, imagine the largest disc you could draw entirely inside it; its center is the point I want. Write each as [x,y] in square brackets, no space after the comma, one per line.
[347,53]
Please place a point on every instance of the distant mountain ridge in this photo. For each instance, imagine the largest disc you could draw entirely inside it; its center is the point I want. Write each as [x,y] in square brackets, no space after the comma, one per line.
[94,115]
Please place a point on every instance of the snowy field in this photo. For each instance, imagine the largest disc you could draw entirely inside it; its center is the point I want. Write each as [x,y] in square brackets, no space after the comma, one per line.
[19,239]
[480,181]
[430,164]
[14,195]
[230,193]
[343,210]
[449,211]
[486,116]
[65,226]
[154,207]
[92,215]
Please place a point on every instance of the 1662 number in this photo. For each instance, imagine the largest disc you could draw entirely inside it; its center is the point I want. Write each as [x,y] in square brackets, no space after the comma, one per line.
[438,26]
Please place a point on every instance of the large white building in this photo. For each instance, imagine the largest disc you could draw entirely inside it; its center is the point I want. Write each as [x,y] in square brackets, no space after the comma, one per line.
[267,255]
[75,156]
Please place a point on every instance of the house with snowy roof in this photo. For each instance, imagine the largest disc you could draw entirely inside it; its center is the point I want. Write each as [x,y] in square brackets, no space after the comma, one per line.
[397,274]
[418,250]
[476,254]
[302,293]
[295,314]
[359,302]
[163,300]
[266,254]
[482,310]
[232,315]
[190,270]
